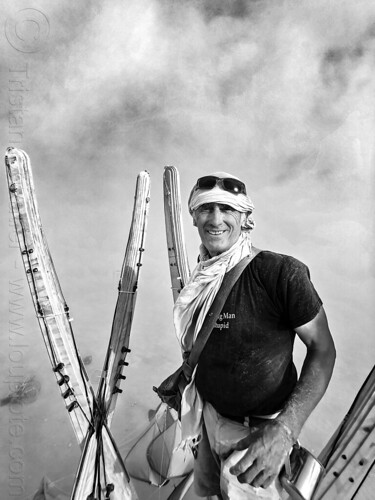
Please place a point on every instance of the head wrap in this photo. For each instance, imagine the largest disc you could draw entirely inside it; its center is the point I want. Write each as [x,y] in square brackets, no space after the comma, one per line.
[240,202]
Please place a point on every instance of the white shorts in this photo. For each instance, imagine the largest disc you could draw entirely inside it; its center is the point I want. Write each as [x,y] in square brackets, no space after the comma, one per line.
[211,471]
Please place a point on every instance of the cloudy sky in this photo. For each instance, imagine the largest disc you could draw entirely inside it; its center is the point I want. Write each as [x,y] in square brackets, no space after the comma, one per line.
[279,93]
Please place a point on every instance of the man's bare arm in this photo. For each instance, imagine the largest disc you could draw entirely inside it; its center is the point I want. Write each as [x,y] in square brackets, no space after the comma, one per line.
[315,374]
[269,444]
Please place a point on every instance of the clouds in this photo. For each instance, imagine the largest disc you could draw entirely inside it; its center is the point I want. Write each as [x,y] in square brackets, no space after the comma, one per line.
[279,93]
[262,81]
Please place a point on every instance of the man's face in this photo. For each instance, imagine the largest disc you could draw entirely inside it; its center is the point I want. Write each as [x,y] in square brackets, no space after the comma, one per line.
[219,226]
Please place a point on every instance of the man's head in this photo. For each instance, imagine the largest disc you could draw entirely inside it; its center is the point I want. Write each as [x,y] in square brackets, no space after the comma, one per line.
[221,210]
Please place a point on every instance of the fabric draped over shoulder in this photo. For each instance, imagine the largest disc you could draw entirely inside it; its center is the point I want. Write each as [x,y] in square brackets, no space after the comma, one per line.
[189,313]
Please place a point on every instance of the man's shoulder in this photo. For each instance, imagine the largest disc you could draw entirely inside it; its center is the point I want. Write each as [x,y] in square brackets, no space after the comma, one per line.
[273,268]
[269,259]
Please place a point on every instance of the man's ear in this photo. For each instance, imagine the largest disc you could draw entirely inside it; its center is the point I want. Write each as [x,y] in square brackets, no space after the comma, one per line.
[194,222]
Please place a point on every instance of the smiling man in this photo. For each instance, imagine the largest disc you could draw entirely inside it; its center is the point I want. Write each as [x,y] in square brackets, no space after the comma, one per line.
[245,404]
[219,226]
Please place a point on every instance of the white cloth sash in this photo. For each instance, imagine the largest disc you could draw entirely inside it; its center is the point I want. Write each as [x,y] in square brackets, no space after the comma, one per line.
[189,312]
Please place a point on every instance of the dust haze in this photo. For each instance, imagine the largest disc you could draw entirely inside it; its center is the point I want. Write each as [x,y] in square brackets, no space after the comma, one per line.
[279,93]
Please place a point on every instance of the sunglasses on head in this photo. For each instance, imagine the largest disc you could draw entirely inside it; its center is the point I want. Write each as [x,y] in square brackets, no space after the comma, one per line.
[233,186]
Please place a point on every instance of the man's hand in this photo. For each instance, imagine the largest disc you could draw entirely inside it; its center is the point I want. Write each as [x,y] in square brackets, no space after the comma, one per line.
[267,449]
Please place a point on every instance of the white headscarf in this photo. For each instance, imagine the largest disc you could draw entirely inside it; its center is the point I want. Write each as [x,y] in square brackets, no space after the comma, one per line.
[198,294]
[240,201]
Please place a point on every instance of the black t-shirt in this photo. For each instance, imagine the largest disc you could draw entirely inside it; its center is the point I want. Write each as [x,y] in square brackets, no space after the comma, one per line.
[246,367]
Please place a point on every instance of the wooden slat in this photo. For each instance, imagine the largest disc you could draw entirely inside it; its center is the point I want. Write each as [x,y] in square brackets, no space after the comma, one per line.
[350,453]
[178,261]
[100,450]
[123,317]
[366,490]
[352,469]
[48,300]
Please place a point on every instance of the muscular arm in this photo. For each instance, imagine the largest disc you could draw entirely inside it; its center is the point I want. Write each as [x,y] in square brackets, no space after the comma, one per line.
[315,375]
[267,446]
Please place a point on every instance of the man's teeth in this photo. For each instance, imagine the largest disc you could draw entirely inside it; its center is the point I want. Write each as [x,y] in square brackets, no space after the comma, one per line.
[216,232]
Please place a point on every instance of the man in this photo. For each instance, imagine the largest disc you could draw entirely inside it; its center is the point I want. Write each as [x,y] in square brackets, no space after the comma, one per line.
[244,394]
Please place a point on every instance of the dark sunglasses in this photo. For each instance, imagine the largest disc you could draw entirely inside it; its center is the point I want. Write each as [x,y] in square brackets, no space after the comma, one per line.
[233,186]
